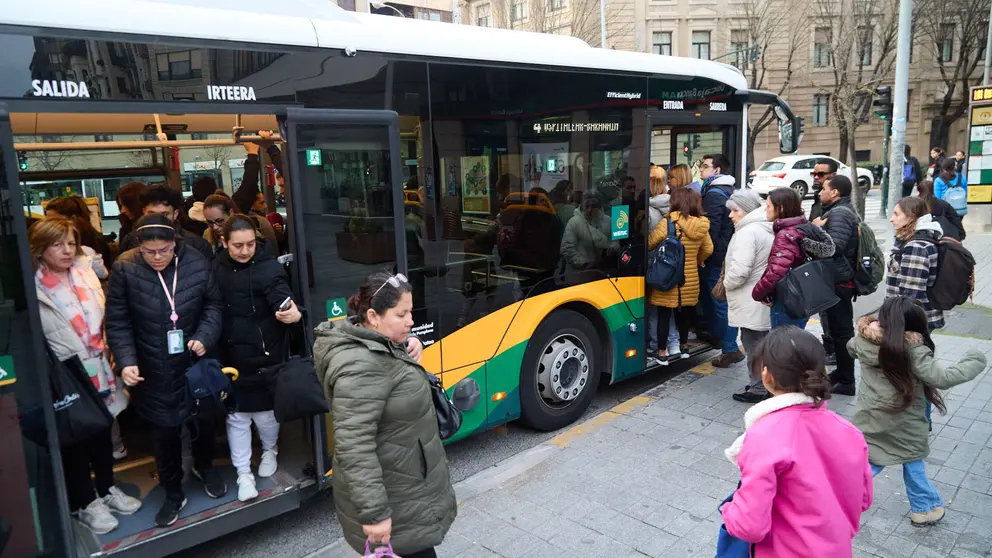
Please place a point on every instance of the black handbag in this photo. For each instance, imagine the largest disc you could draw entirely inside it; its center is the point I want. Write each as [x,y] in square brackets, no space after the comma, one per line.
[449,418]
[808,289]
[80,412]
[298,393]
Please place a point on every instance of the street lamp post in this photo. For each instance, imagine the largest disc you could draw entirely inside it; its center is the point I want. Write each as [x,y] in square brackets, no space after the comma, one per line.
[378,4]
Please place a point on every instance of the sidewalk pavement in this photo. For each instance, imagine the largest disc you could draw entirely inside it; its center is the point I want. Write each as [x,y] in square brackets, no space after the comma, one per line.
[645,479]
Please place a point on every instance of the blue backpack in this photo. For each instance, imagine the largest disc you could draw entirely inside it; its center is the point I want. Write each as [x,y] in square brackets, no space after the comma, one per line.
[908,171]
[666,264]
[207,388]
[957,197]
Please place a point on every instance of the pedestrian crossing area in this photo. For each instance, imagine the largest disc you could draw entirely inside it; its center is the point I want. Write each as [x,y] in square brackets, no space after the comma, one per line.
[873,204]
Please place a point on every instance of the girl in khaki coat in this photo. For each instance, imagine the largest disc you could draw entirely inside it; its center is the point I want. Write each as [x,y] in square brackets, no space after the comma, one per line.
[899,374]
[692,229]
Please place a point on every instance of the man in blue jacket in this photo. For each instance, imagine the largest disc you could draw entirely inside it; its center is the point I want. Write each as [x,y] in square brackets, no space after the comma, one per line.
[718,186]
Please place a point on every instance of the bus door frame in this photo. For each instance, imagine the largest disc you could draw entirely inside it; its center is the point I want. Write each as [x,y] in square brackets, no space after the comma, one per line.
[687,119]
[344,118]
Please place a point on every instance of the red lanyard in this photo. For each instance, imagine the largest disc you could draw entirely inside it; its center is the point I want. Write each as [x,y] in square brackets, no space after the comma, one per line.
[172,298]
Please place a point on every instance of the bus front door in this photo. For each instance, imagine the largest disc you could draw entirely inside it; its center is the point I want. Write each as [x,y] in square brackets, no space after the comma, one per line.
[343,202]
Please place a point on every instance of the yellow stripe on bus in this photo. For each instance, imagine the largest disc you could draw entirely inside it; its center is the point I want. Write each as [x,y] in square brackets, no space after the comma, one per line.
[514,324]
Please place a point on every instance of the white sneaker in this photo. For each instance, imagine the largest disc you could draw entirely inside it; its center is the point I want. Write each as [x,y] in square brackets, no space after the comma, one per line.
[246,487]
[268,465]
[97,517]
[121,503]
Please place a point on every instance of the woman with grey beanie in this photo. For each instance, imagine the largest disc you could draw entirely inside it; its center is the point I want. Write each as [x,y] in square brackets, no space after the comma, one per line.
[747,257]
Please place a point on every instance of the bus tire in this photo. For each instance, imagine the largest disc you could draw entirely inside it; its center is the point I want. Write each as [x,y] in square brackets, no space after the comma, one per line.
[561,369]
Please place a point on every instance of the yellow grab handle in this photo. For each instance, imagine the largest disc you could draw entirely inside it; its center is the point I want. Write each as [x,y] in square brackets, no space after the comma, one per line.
[232,372]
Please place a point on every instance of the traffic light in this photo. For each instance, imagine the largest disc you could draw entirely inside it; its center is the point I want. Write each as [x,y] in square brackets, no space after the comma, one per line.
[695,141]
[883,102]
[802,125]
[685,148]
[22,160]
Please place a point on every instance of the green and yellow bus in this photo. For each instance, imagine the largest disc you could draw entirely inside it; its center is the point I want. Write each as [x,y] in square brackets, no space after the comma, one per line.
[456,155]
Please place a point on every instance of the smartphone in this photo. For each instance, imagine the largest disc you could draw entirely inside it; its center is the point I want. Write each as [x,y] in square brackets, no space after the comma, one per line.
[285,304]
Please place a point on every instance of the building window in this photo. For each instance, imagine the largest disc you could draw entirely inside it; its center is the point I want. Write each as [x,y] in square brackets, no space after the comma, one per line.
[701,45]
[865,37]
[430,15]
[482,16]
[179,65]
[945,43]
[739,53]
[102,138]
[662,42]
[821,110]
[822,37]
[519,11]
[862,155]
[558,5]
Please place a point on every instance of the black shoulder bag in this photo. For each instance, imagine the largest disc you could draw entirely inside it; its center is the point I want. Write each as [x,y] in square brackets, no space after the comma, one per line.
[449,418]
[297,392]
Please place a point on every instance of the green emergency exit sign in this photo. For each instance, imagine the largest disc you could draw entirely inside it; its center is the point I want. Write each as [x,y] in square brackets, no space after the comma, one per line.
[313,158]
[7,374]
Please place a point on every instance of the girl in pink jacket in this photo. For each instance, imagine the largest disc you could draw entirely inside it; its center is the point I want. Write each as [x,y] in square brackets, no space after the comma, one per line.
[805,477]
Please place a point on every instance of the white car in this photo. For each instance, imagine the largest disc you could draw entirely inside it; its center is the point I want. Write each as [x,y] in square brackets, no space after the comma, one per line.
[796,172]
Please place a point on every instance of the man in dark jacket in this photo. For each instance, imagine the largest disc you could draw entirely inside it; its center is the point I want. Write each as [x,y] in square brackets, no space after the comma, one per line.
[162,200]
[841,222]
[912,172]
[718,186]
[824,170]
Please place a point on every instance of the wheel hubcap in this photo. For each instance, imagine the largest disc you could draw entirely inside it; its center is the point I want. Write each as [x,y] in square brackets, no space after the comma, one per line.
[563,371]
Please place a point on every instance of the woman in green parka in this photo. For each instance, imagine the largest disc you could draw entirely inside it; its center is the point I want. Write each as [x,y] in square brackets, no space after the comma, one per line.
[898,375]
[391,481]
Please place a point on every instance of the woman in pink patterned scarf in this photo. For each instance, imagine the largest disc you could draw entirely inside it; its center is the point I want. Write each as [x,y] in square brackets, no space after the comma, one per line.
[71,304]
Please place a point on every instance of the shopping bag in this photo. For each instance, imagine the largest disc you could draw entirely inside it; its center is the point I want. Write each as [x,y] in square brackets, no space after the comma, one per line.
[80,412]
[727,545]
[380,551]
[298,393]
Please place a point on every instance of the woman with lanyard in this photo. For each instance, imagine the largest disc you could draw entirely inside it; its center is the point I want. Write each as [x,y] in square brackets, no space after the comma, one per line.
[157,314]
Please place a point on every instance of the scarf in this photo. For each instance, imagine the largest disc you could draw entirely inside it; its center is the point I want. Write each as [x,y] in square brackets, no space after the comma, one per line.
[81,305]
[759,411]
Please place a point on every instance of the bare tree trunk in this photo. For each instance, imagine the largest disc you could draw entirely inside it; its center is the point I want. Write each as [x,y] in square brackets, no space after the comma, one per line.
[857,198]
[845,142]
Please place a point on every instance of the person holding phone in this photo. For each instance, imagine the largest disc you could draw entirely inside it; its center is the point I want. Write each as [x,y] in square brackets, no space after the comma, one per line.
[163,307]
[258,312]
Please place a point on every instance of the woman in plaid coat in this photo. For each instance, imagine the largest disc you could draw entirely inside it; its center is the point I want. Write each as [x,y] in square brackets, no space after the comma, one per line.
[913,263]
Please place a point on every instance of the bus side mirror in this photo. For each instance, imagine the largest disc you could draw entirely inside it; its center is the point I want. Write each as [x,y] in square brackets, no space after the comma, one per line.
[790,131]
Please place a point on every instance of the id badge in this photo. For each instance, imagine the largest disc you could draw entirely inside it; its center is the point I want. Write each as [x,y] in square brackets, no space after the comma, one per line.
[175,341]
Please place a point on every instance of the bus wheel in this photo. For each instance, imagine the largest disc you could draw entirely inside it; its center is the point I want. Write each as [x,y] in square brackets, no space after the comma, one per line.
[560,372]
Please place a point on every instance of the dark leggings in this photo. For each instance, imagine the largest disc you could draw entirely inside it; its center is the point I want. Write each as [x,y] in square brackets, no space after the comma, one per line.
[683,317]
[96,456]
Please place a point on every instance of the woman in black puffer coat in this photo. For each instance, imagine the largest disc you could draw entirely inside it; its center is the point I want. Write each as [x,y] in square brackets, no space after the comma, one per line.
[254,337]
[161,291]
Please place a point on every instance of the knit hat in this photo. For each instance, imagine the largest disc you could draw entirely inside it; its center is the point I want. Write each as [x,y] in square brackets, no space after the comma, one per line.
[744,199]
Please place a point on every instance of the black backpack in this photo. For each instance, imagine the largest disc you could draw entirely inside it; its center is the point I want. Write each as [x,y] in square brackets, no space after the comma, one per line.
[954,262]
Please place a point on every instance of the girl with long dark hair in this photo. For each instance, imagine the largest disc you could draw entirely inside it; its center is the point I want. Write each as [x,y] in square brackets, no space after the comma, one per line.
[899,375]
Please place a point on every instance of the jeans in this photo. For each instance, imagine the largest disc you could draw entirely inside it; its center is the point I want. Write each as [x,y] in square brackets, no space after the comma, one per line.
[780,317]
[840,320]
[167,445]
[682,316]
[717,311]
[96,456]
[652,319]
[922,496]
[239,436]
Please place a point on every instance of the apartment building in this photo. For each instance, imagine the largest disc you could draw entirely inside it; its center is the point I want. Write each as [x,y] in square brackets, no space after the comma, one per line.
[806,49]
[434,10]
